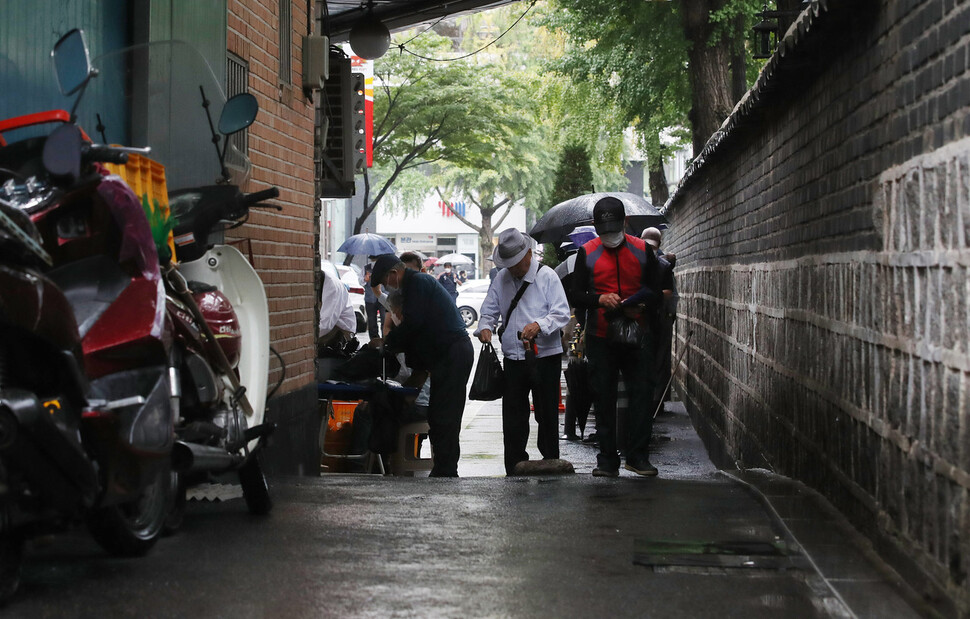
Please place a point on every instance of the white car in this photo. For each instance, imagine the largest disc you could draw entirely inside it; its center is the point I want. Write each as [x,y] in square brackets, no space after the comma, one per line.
[331,270]
[470,297]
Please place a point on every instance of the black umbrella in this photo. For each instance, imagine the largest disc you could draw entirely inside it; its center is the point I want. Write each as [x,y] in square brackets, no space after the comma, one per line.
[559,221]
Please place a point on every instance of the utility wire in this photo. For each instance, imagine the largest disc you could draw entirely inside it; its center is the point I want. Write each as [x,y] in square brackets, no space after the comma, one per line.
[483,48]
[438,21]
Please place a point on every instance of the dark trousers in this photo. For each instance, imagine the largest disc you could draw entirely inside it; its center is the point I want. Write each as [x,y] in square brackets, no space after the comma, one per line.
[374,309]
[449,378]
[544,385]
[606,362]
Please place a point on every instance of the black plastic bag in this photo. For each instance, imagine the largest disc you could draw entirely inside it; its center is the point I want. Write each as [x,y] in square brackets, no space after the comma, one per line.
[625,332]
[489,381]
[385,410]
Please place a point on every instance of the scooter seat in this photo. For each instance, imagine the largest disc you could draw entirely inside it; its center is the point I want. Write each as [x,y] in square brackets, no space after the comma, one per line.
[91,285]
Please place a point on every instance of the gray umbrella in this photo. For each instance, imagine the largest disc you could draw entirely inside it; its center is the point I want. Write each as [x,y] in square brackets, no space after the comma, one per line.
[559,221]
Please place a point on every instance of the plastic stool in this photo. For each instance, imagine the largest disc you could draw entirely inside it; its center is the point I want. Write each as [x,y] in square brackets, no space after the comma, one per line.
[407,458]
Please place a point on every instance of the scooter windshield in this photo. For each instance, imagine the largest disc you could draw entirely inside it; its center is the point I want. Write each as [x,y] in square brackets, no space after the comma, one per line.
[165,89]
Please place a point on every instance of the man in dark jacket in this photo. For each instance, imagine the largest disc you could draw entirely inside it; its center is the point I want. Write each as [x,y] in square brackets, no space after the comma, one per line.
[617,274]
[433,336]
[449,281]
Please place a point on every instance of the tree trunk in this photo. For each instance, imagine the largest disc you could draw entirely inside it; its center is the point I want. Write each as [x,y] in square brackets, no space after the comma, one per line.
[485,235]
[739,77]
[708,70]
[657,178]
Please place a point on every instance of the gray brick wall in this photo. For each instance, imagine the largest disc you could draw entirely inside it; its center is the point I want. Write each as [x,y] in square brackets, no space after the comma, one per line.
[823,253]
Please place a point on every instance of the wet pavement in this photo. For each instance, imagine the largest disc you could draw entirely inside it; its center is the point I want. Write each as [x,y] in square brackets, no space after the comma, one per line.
[694,542]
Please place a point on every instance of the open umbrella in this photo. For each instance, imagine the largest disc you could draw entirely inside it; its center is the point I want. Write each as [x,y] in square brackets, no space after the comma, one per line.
[367,244]
[430,262]
[567,266]
[560,220]
[582,235]
[455,259]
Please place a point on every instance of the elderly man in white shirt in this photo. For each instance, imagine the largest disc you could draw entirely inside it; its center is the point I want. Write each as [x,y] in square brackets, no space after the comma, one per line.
[337,320]
[530,341]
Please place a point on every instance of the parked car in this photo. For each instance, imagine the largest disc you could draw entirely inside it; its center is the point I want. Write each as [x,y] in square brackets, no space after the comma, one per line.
[332,270]
[470,297]
[350,277]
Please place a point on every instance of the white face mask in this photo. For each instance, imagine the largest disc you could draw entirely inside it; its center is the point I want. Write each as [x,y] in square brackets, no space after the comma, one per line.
[447,270]
[613,239]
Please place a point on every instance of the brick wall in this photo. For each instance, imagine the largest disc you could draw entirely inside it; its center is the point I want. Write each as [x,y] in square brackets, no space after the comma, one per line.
[823,252]
[281,150]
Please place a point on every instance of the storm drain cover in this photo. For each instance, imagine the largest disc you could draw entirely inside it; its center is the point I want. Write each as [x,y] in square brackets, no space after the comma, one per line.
[774,555]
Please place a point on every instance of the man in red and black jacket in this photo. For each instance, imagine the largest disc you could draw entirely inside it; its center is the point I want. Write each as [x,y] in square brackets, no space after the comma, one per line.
[617,274]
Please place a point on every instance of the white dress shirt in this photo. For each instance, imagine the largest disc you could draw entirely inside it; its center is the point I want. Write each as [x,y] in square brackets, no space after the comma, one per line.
[543,302]
[335,311]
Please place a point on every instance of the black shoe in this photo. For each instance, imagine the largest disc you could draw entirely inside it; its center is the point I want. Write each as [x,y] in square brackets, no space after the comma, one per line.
[569,437]
[603,472]
[641,467]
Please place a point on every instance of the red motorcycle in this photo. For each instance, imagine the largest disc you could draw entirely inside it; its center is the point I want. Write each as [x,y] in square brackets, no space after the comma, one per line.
[87,401]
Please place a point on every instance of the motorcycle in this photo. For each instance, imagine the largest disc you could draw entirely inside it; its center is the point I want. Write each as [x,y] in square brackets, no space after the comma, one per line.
[215,299]
[87,407]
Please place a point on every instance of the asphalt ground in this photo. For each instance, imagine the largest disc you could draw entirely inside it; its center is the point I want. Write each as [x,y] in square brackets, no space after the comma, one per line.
[693,542]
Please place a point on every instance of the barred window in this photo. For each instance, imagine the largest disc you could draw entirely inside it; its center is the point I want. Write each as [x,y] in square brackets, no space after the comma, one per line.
[237,81]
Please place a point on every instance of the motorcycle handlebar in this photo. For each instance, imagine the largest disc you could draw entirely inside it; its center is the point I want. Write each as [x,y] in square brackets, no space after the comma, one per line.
[259,196]
[106,154]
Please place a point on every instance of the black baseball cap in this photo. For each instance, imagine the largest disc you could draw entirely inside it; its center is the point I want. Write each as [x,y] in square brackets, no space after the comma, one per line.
[608,215]
[384,263]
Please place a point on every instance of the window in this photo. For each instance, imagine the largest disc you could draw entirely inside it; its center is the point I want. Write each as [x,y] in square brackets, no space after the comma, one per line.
[237,81]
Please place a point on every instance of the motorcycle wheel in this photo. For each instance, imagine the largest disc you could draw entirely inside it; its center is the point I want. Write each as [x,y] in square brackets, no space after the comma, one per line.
[11,557]
[131,529]
[254,487]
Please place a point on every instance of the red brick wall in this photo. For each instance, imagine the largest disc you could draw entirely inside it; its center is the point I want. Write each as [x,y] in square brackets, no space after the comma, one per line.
[281,150]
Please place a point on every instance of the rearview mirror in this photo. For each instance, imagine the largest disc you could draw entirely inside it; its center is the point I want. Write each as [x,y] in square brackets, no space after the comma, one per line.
[62,152]
[72,63]
[238,113]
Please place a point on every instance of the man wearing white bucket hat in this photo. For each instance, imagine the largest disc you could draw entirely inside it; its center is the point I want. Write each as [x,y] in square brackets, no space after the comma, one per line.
[532,304]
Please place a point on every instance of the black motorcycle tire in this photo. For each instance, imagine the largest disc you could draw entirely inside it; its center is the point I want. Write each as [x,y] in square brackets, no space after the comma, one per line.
[131,529]
[11,558]
[254,487]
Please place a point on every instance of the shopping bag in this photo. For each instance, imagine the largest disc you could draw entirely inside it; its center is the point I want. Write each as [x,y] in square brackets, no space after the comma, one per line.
[489,381]
[625,332]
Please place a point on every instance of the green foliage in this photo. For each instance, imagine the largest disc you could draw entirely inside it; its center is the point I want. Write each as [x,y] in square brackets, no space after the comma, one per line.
[633,52]
[573,176]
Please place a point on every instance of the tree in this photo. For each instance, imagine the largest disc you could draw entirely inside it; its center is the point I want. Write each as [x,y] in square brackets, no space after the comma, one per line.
[508,168]
[425,112]
[639,51]
[574,178]
[529,116]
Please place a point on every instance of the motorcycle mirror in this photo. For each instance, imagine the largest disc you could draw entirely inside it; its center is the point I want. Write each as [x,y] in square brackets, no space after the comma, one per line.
[62,152]
[72,63]
[238,113]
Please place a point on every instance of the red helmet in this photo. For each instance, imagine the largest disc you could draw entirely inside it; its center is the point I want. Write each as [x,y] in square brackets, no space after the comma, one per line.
[222,320]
